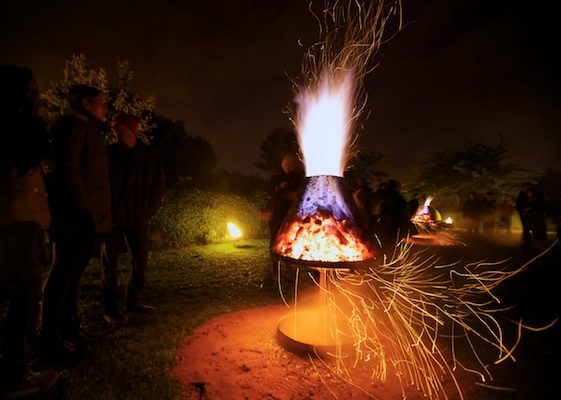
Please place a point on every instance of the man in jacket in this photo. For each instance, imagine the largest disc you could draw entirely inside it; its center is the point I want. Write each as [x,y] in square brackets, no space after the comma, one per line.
[81,205]
[137,188]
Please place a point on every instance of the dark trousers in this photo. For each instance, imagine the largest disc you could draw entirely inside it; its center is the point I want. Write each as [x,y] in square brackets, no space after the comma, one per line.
[74,244]
[21,267]
[115,242]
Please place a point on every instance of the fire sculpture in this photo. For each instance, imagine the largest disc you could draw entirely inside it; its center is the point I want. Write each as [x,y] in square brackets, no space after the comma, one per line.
[322,230]
[429,230]
[402,317]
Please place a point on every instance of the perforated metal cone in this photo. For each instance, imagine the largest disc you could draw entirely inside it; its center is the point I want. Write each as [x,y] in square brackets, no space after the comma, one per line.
[323,228]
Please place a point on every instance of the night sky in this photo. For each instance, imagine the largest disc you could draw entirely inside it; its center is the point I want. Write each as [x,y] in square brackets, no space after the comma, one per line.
[459,70]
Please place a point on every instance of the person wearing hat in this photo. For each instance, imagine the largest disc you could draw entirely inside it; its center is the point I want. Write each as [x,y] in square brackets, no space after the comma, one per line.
[137,183]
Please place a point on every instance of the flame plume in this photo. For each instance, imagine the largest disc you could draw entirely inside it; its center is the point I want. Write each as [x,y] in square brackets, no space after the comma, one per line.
[330,98]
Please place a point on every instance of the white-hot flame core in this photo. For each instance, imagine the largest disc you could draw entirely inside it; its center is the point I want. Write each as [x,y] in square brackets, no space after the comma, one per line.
[234,230]
[324,124]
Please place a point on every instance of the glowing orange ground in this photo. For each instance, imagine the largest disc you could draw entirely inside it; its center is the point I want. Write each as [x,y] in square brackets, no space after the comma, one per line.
[236,356]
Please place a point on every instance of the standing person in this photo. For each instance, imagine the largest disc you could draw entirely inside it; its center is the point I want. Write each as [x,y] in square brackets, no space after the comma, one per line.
[535,218]
[283,190]
[488,212]
[471,212]
[505,215]
[137,183]
[413,205]
[363,196]
[81,209]
[24,217]
[395,214]
[522,208]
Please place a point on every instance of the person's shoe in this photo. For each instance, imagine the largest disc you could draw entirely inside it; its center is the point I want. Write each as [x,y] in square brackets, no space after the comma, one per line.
[140,308]
[33,384]
[115,320]
[76,336]
[61,350]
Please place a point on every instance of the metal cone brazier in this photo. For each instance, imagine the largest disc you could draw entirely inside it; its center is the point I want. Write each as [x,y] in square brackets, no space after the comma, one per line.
[322,231]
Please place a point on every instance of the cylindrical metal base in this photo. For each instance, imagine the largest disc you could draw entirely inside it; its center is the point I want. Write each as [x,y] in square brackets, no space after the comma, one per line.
[310,333]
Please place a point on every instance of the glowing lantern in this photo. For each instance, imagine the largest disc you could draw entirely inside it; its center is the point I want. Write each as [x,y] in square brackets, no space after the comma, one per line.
[449,221]
[234,230]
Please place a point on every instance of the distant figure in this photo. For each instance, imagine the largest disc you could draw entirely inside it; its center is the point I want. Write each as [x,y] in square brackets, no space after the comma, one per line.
[395,215]
[363,196]
[488,212]
[137,184]
[522,208]
[24,218]
[505,216]
[283,190]
[535,217]
[471,213]
[81,204]
[413,205]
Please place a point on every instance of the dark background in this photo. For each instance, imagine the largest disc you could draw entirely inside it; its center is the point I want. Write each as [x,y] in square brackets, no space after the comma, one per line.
[459,70]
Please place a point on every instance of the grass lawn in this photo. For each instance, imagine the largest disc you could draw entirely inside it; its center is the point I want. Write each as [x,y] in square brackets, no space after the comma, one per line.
[188,287]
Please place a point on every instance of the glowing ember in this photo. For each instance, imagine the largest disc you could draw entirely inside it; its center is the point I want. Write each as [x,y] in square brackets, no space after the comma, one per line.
[322,238]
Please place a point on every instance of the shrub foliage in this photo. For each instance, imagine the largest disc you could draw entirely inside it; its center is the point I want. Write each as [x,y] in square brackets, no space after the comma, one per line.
[192,216]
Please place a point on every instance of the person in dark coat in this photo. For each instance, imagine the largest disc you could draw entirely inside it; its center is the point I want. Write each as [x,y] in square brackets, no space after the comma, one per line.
[81,204]
[535,217]
[363,196]
[471,213]
[137,181]
[24,217]
[488,212]
[395,215]
[283,190]
[522,208]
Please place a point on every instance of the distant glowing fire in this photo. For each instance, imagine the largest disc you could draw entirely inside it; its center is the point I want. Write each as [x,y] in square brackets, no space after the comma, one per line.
[423,214]
[430,229]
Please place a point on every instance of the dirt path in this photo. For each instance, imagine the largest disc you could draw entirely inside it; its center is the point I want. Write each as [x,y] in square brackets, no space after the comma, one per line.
[236,356]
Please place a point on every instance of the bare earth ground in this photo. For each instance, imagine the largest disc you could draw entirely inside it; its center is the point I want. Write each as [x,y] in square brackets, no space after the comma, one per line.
[236,356]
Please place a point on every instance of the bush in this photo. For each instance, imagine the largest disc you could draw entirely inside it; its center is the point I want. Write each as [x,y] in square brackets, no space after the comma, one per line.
[192,216]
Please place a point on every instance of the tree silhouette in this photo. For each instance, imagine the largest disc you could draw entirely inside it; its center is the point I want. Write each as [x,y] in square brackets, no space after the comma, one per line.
[276,144]
[450,173]
[184,156]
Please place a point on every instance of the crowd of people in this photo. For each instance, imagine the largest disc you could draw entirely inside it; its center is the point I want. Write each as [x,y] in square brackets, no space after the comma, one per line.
[65,186]
[486,215]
